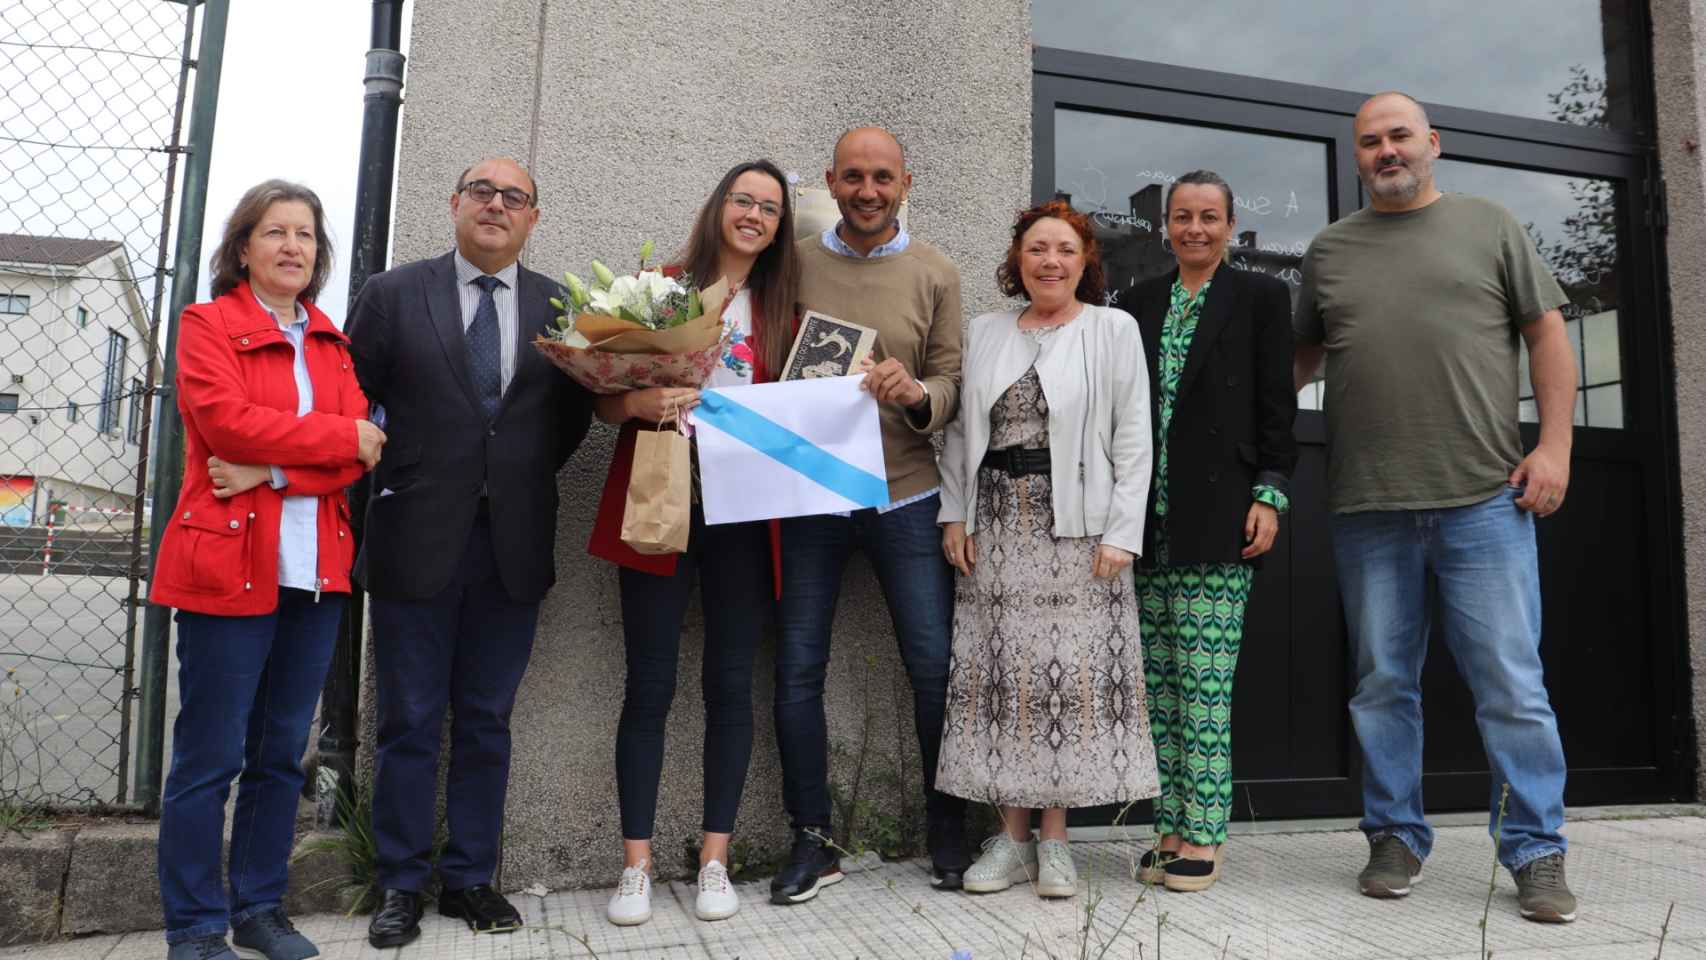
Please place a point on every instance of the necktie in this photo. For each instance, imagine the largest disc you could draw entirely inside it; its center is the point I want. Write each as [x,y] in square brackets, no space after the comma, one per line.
[485,348]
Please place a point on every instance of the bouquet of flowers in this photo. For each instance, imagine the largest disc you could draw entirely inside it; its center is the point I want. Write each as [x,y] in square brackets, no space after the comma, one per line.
[648,329]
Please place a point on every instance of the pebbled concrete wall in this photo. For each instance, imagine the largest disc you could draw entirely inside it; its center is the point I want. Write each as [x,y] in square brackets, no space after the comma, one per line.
[1679,61]
[629,112]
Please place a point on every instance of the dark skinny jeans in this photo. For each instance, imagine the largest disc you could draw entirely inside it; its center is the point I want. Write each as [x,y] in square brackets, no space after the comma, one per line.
[731,563]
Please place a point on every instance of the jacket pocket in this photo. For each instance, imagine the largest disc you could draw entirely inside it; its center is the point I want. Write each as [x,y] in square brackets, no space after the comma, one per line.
[345,535]
[217,548]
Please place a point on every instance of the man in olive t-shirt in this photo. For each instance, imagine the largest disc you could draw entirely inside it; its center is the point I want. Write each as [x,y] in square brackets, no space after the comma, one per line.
[1417,303]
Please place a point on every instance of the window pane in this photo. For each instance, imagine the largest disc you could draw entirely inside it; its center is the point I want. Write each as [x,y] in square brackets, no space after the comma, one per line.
[1564,60]
[8,403]
[1600,355]
[1573,222]
[1605,407]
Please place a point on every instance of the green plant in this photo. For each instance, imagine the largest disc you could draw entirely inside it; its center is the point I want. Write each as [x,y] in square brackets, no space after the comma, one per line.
[1664,931]
[22,820]
[355,845]
[1493,881]
[864,825]
[17,742]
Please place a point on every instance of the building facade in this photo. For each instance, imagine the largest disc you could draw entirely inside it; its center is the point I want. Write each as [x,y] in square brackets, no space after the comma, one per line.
[73,366]
[1584,117]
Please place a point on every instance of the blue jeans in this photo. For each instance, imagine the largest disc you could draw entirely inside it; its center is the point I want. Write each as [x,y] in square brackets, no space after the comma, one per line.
[247,688]
[1484,559]
[905,549]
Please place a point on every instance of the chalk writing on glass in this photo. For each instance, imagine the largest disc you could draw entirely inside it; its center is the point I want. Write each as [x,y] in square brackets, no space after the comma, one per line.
[1108,218]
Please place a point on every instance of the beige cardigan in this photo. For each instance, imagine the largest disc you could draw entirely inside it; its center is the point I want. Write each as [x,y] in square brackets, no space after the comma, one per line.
[1097,384]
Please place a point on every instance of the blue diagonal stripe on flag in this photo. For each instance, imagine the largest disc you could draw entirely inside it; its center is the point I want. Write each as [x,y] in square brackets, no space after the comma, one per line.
[792,450]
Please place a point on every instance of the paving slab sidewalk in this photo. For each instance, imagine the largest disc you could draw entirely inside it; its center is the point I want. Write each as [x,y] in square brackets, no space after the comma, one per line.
[1289,891]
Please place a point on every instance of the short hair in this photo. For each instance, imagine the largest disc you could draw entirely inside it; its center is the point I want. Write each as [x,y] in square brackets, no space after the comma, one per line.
[836,150]
[226,263]
[462,178]
[1423,111]
[1092,287]
[1201,178]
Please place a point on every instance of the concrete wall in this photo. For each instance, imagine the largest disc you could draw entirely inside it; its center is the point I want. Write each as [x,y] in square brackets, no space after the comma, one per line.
[1679,47]
[627,135]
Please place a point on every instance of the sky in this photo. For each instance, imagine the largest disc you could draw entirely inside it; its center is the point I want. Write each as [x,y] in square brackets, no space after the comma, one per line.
[290,106]
[90,88]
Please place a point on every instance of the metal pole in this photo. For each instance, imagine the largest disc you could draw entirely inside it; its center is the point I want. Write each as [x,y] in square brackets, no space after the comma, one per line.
[138,573]
[168,456]
[340,699]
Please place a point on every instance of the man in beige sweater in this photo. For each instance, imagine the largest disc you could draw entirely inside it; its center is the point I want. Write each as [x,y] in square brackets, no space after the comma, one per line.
[868,270]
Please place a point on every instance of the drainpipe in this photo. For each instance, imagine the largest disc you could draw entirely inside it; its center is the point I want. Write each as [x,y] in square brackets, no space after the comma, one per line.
[339,710]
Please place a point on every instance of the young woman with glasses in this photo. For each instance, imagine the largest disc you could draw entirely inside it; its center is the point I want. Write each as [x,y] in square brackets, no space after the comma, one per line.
[744,235]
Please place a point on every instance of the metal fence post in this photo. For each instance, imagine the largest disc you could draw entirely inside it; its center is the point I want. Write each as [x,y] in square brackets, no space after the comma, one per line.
[168,456]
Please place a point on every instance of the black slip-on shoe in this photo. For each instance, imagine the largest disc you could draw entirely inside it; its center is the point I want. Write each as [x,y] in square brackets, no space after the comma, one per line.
[397,921]
[482,908]
[1152,866]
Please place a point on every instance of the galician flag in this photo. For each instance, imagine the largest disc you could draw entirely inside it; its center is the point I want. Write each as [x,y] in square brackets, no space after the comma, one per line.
[790,449]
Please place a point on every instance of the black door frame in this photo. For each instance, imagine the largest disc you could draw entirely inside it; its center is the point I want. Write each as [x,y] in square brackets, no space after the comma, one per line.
[1101,84]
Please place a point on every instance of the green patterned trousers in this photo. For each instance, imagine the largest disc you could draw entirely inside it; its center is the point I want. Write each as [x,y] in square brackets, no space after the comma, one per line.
[1192,620]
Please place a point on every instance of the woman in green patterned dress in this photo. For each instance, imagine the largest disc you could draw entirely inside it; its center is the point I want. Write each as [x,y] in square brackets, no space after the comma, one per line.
[1218,341]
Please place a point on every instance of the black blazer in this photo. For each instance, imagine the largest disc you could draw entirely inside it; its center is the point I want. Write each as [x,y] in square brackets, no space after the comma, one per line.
[440,453]
[1232,418]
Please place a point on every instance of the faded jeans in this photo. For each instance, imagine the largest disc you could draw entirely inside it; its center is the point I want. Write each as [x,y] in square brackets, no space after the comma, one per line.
[1484,558]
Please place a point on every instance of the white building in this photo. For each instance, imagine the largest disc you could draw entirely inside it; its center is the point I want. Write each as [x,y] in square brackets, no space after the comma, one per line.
[73,366]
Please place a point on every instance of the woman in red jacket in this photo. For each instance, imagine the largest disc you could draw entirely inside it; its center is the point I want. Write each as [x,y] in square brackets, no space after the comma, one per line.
[745,235]
[256,560]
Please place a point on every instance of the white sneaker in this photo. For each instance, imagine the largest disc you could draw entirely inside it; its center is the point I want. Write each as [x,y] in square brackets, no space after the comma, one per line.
[631,904]
[1056,876]
[717,899]
[1004,862]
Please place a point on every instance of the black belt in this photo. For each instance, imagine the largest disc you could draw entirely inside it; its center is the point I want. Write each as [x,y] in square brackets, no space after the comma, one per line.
[1018,462]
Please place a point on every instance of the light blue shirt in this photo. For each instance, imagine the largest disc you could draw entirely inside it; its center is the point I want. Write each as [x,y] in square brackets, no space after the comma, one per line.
[298,524]
[833,242]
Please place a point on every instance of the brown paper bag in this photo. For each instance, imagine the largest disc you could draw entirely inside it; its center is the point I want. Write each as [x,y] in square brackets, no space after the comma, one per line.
[658,513]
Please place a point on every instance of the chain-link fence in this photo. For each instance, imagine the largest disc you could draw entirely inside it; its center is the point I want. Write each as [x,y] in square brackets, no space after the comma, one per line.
[89,143]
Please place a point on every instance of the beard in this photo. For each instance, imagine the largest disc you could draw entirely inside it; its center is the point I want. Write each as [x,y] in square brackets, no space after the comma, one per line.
[1404,188]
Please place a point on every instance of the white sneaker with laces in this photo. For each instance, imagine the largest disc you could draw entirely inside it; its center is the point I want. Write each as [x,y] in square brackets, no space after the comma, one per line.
[1056,875]
[631,904]
[717,899]
[1004,862]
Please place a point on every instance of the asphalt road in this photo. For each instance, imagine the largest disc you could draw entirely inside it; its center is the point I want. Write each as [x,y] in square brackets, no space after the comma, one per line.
[62,646]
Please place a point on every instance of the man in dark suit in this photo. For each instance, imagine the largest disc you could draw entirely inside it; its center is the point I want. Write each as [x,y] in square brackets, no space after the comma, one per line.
[459,537]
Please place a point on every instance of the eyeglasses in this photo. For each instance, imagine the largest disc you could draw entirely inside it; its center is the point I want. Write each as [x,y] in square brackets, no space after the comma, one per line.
[744,202]
[482,192]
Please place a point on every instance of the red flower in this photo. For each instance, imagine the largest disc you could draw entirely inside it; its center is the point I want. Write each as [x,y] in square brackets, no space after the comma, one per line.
[742,351]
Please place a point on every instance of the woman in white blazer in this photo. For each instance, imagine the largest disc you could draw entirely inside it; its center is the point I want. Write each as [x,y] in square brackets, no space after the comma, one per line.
[1045,484]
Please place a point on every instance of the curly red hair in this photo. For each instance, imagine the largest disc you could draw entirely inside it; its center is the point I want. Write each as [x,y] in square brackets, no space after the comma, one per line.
[1092,287]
